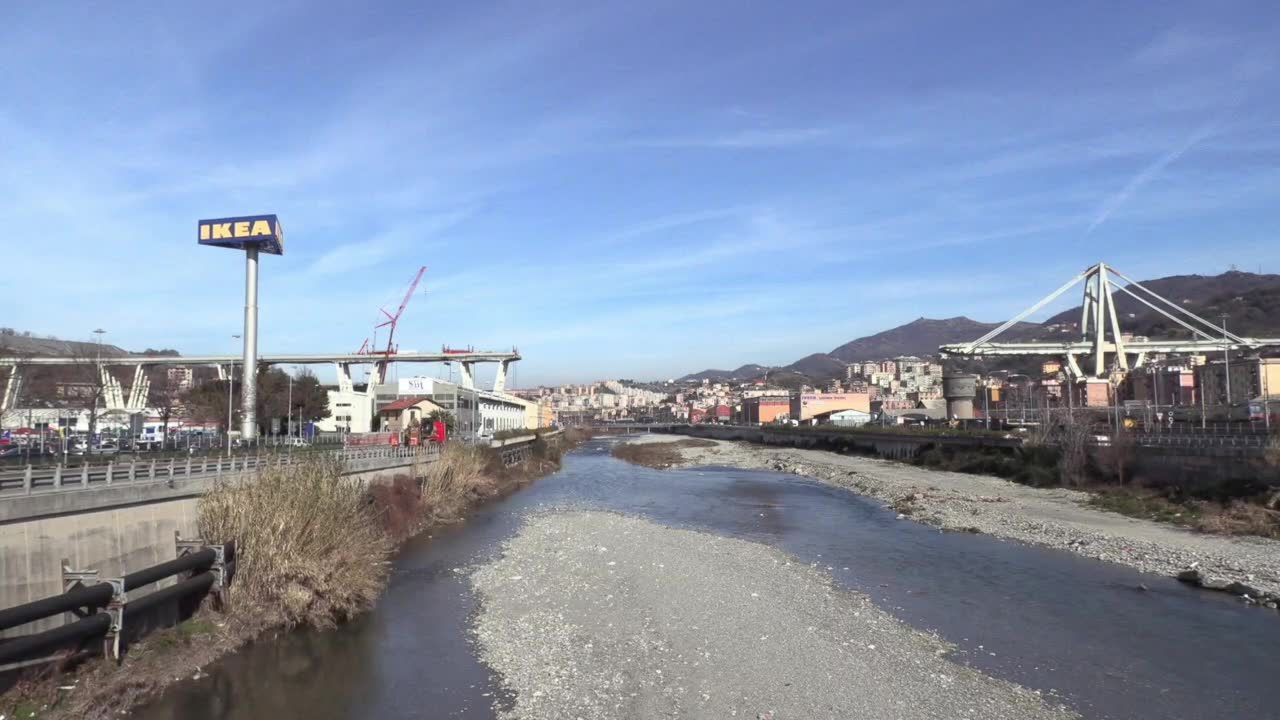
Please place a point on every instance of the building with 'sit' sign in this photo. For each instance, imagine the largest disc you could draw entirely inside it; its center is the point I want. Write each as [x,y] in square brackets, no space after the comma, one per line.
[260,231]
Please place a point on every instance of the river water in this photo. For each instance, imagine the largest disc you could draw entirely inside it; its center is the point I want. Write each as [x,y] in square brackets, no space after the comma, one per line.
[1080,630]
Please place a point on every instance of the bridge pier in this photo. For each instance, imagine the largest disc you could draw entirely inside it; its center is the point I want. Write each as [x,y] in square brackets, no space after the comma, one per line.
[112,391]
[12,387]
[140,390]
[500,379]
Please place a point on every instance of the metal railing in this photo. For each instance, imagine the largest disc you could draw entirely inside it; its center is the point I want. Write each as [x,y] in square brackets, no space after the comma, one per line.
[1202,441]
[33,480]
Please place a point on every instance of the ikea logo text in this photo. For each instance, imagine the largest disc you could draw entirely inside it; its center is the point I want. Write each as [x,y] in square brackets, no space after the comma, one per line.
[240,230]
[260,233]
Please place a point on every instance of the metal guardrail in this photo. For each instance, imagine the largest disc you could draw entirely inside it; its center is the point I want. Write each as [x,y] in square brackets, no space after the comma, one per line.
[32,480]
[1202,441]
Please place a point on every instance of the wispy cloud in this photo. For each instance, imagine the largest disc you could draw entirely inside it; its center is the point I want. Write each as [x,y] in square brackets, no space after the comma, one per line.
[1176,45]
[408,237]
[671,222]
[750,139]
[583,183]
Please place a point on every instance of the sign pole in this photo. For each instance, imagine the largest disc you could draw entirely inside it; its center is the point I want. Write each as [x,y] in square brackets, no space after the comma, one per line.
[249,380]
[252,234]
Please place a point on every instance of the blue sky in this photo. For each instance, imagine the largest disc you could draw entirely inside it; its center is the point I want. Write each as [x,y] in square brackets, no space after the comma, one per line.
[622,189]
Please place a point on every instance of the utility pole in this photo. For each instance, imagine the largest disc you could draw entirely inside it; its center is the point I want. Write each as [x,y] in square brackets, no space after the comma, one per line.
[1266,396]
[1155,395]
[289,422]
[1226,360]
[1204,374]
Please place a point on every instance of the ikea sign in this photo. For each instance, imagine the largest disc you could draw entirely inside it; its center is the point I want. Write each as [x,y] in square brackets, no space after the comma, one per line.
[257,231]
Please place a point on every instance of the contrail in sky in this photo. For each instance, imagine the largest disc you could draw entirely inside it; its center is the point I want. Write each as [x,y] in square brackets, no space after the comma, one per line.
[1151,171]
[1148,174]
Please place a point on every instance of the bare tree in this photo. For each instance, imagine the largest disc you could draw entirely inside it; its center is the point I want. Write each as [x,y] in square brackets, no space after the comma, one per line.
[167,390]
[1118,455]
[86,388]
[1071,432]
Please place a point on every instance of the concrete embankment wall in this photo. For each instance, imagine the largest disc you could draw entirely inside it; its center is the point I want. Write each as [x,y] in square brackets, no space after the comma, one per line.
[1202,470]
[1195,470]
[887,445]
[113,529]
[114,542]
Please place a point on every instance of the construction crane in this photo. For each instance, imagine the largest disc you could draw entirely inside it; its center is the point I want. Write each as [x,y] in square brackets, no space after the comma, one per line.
[369,346]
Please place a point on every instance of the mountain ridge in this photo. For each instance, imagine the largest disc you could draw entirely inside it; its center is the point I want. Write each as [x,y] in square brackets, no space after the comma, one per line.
[1251,300]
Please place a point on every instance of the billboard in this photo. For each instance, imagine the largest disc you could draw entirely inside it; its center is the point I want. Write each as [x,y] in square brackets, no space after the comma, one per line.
[260,231]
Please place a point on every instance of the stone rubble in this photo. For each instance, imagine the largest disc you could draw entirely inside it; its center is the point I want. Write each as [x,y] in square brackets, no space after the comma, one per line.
[676,623]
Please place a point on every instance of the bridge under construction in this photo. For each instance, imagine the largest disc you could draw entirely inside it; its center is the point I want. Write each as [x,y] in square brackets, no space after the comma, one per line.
[116,398]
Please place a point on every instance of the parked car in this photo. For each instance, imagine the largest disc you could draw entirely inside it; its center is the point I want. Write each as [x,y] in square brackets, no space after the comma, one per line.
[106,447]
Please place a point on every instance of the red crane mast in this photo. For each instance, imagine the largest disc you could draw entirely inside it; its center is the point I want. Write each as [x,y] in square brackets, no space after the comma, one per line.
[368,347]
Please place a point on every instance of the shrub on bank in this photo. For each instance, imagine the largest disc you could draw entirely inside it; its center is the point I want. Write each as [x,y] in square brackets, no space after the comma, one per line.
[399,506]
[454,481]
[1028,466]
[309,544]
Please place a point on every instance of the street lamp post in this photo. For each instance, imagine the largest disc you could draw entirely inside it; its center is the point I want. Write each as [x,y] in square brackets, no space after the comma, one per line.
[289,421]
[97,382]
[231,390]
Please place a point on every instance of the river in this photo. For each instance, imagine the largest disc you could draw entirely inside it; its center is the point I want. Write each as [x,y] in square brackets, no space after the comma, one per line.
[1082,631]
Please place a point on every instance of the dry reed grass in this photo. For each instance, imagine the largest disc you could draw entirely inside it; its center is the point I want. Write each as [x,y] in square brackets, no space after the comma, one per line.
[313,548]
[454,481]
[309,544]
[1239,517]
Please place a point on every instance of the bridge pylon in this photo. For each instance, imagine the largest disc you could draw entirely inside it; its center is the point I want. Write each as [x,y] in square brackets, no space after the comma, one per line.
[1101,335]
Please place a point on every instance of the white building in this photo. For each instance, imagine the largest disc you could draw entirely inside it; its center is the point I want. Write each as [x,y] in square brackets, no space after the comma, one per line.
[473,410]
[349,411]
[500,412]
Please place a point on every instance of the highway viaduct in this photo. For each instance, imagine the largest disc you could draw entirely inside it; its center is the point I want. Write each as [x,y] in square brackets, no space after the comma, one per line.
[115,397]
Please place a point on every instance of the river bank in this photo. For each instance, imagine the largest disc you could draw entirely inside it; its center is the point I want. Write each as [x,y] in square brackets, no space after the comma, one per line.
[1052,517]
[593,615]
[1078,631]
[320,573]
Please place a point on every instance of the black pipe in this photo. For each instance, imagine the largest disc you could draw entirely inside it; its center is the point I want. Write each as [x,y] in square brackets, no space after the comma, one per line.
[99,594]
[28,647]
[90,596]
[198,584]
[201,560]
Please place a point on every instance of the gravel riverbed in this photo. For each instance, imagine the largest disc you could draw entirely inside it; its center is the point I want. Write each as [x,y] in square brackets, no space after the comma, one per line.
[595,615]
[1053,517]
